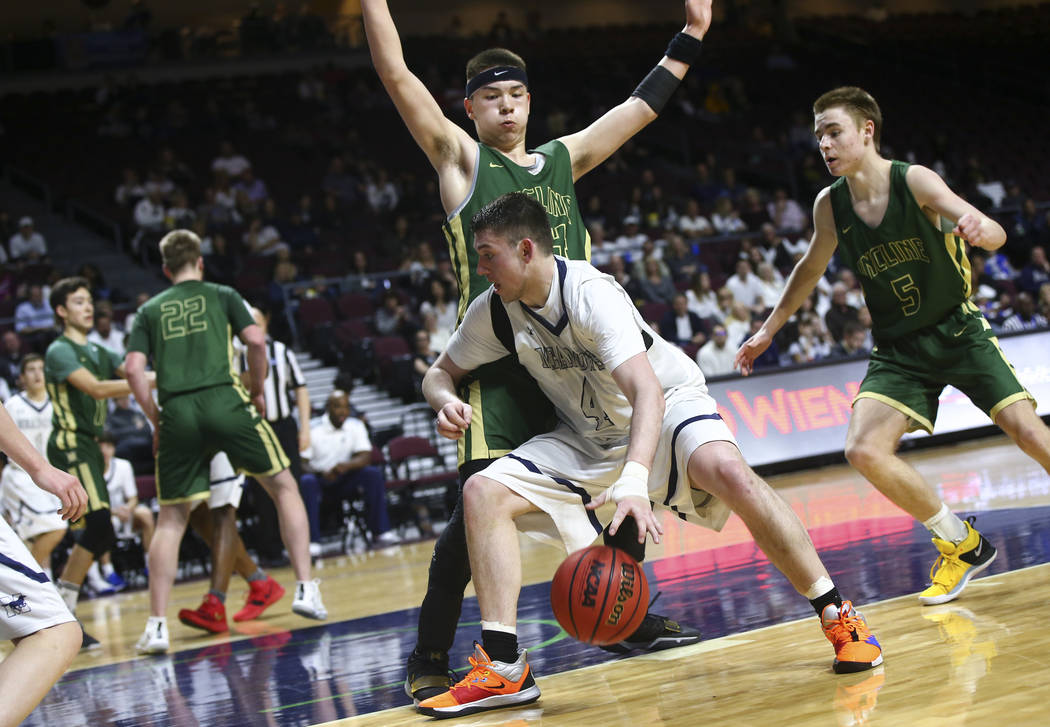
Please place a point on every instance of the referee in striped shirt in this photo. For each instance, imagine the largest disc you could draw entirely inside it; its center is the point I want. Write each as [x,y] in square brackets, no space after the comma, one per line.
[284,383]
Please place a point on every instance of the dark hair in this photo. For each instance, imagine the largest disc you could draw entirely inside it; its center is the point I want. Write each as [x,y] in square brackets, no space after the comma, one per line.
[29,358]
[515,216]
[64,288]
[491,58]
[106,438]
[856,102]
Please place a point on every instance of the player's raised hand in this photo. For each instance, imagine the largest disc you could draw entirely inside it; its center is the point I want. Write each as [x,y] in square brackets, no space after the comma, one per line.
[453,419]
[66,488]
[697,17]
[751,349]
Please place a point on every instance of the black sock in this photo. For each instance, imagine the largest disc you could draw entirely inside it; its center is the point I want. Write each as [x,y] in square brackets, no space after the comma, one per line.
[830,597]
[500,646]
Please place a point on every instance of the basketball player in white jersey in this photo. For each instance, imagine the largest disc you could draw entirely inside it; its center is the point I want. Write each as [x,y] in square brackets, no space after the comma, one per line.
[636,426]
[32,512]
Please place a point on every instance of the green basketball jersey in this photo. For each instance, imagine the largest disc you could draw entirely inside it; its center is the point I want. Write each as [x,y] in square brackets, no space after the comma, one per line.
[496,175]
[74,410]
[188,329]
[913,274]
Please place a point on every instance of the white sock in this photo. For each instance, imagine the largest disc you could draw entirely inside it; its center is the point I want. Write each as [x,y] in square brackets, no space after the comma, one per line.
[93,575]
[946,525]
[107,568]
[497,626]
[819,588]
[69,592]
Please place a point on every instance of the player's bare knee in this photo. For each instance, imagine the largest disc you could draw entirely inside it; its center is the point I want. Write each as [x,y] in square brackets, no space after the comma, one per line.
[861,454]
[482,492]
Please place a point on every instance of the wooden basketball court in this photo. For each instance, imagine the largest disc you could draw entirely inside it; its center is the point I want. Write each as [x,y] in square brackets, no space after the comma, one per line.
[764,660]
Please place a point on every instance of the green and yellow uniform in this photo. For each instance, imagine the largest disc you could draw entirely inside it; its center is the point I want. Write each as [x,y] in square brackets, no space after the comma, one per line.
[188,329]
[916,281]
[508,407]
[78,417]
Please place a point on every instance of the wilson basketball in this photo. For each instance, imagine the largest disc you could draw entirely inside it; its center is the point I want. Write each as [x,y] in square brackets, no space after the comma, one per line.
[599,595]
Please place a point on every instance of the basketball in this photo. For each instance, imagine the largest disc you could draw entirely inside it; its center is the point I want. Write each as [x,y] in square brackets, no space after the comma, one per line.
[599,595]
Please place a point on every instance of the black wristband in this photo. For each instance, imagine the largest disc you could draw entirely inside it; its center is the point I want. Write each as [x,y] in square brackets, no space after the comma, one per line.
[684,47]
[657,88]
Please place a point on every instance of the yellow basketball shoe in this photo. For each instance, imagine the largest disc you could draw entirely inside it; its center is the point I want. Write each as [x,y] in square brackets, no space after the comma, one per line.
[956,565]
[488,685]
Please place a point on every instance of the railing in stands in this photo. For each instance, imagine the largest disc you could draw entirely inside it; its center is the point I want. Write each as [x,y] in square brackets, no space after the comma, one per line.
[29,184]
[100,224]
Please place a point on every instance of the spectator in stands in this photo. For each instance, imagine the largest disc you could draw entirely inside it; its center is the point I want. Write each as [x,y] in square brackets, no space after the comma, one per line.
[998,266]
[691,223]
[381,193]
[34,320]
[771,284]
[812,344]
[655,285]
[639,262]
[853,344]
[225,194]
[149,217]
[726,218]
[156,181]
[770,358]
[631,238]
[423,355]
[1025,316]
[27,245]
[745,285]
[595,212]
[129,516]
[140,298]
[179,214]
[752,211]
[1036,273]
[130,189]
[173,168]
[392,318]
[339,467]
[251,185]
[840,312]
[715,357]
[11,356]
[106,332]
[701,297]
[132,435]
[679,259]
[216,213]
[262,239]
[340,183]
[331,216]
[443,306]
[229,162]
[785,213]
[1044,301]
[737,323]
[681,326]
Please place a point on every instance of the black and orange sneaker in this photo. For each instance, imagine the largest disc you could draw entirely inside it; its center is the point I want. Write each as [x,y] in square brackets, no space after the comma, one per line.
[956,565]
[488,685]
[261,595]
[209,616]
[856,648]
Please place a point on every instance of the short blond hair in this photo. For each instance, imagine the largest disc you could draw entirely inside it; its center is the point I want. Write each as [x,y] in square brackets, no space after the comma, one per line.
[858,103]
[179,248]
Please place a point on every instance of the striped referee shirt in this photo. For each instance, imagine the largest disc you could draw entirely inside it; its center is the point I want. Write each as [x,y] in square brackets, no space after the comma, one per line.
[282,379]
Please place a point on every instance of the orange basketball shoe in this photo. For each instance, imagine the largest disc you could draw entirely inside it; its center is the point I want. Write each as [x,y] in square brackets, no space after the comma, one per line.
[856,648]
[210,615]
[261,595]
[488,685]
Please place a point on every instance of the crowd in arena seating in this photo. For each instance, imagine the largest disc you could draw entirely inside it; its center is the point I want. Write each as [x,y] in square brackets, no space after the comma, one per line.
[307,194]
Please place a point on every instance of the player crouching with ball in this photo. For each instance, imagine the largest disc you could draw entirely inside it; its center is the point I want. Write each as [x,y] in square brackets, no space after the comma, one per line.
[636,425]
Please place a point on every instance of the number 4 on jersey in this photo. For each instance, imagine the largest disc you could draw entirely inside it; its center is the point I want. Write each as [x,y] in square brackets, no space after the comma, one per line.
[591,409]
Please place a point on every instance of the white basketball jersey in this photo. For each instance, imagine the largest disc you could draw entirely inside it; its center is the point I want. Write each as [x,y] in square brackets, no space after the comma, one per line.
[571,345]
[33,419]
